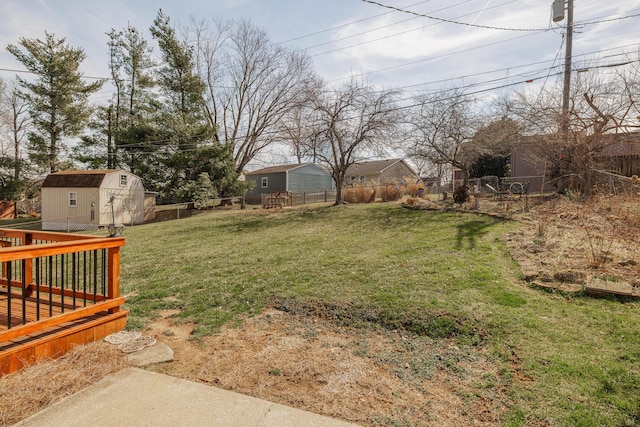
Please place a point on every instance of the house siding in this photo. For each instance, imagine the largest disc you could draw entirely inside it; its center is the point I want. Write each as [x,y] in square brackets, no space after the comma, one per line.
[392,171]
[275,182]
[398,172]
[298,179]
[309,178]
[56,209]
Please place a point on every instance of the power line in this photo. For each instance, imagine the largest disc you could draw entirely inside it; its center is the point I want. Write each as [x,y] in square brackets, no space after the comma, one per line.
[351,23]
[455,22]
[398,34]
[606,20]
[395,23]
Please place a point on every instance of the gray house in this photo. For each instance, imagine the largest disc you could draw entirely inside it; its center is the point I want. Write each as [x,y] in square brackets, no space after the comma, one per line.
[297,178]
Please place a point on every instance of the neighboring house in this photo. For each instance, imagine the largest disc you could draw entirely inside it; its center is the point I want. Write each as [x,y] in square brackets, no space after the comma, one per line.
[390,171]
[621,155]
[91,199]
[297,178]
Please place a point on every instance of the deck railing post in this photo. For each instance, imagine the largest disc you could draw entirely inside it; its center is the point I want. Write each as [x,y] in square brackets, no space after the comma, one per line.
[113,276]
[28,271]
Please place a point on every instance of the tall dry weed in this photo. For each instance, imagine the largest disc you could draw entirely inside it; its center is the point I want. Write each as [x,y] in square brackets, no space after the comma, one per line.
[359,194]
[414,190]
[390,193]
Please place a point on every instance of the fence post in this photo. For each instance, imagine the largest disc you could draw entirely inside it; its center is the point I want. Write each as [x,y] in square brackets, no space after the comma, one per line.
[242,202]
[325,196]
[67,224]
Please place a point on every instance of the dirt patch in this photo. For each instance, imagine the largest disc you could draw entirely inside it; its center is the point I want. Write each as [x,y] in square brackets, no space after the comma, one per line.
[369,378]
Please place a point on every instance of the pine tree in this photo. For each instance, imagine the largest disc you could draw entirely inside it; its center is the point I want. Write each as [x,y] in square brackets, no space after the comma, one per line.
[58,97]
[186,133]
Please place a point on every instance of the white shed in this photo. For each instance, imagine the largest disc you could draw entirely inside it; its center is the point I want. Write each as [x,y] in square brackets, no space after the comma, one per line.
[91,199]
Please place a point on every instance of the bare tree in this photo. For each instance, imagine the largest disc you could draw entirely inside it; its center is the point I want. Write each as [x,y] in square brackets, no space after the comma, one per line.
[15,120]
[442,129]
[351,123]
[296,132]
[601,104]
[251,85]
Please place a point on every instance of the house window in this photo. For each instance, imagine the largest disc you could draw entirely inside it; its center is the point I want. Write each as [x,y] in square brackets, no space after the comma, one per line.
[123,180]
[265,182]
[73,199]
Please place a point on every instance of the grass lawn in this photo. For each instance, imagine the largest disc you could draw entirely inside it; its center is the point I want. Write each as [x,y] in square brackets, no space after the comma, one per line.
[438,275]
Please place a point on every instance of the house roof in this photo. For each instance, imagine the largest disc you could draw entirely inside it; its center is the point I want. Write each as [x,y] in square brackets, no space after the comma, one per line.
[275,169]
[370,168]
[77,178]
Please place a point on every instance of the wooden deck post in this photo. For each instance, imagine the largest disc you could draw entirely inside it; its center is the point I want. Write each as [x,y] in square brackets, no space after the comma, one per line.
[28,262]
[113,280]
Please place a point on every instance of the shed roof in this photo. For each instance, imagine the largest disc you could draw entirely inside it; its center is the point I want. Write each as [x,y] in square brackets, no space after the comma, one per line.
[373,167]
[77,178]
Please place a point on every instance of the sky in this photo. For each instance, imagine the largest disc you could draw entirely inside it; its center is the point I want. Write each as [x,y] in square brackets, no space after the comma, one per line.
[484,46]
[391,48]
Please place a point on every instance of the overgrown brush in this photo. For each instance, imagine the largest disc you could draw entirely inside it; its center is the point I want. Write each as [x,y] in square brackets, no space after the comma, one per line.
[359,194]
[414,190]
[390,193]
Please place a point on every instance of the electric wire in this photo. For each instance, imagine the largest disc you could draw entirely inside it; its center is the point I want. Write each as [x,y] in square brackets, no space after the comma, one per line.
[450,21]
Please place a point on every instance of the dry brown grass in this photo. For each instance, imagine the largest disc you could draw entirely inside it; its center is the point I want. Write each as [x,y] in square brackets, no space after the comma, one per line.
[359,194]
[45,382]
[390,193]
[362,376]
[414,189]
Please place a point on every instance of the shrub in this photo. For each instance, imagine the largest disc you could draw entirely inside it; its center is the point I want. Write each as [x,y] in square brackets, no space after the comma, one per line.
[414,190]
[359,195]
[389,193]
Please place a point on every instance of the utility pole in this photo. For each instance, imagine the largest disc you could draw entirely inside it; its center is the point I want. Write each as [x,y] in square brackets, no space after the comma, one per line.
[558,15]
[110,159]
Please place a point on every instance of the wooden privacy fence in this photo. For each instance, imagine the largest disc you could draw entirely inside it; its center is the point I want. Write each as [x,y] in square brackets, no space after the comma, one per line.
[57,290]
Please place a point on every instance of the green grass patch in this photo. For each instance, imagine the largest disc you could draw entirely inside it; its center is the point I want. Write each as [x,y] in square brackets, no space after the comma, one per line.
[437,275]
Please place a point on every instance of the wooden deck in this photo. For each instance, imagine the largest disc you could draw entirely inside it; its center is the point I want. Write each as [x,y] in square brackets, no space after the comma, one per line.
[64,291]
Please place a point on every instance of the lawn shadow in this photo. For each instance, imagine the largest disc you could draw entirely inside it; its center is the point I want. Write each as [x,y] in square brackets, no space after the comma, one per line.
[469,231]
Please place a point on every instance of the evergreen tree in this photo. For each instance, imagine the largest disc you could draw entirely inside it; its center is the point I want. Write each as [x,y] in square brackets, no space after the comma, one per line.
[130,123]
[186,133]
[58,97]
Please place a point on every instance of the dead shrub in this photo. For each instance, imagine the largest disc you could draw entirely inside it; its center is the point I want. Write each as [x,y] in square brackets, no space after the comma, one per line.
[390,193]
[359,194]
[461,194]
[414,190]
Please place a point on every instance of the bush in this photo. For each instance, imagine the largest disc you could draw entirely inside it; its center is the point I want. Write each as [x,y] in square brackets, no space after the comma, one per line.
[389,193]
[461,194]
[359,195]
[414,190]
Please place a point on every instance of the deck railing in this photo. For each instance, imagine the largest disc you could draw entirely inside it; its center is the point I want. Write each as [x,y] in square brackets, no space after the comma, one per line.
[49,279]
